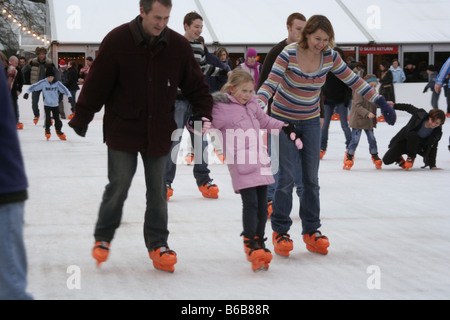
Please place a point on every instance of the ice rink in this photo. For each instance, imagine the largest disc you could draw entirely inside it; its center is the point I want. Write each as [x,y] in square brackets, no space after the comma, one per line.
[389,229]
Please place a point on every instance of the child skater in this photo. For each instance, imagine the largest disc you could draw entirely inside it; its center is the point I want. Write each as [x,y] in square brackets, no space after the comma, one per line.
[51,90]
[363,117]
[239,118]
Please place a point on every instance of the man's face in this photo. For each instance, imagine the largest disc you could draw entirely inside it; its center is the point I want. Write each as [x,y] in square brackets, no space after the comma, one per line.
[295,30]
[41,57]
[194,31]
[156,20]
[434,123]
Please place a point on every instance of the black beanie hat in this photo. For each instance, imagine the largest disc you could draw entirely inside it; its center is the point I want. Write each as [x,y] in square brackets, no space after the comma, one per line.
[49,72]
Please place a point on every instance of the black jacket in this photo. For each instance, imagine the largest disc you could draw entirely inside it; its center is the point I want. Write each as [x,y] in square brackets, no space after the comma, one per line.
[418,117]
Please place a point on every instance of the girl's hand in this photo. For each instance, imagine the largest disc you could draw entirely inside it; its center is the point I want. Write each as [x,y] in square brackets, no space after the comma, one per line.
[289,129]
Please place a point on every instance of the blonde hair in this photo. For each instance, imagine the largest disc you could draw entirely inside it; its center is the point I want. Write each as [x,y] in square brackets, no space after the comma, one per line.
[237,77]
[313,24]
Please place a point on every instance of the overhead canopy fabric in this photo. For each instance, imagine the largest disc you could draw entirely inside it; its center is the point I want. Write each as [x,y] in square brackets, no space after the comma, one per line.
[262,22]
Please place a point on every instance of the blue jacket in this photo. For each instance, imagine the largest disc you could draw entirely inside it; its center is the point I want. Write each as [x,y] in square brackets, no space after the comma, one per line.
[445,70]
[13,180]
[50,91]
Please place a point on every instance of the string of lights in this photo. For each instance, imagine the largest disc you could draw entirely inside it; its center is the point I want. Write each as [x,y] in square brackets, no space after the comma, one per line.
[24,29]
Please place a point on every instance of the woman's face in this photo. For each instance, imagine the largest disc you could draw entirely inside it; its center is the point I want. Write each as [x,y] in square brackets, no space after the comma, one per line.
[251,60]
[223,56]
[318,41]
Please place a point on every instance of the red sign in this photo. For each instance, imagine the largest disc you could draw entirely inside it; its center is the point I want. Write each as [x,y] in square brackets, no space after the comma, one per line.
[378,49]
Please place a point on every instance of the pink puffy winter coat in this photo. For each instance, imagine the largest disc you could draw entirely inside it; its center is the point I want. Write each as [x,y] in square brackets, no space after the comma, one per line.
[241,129]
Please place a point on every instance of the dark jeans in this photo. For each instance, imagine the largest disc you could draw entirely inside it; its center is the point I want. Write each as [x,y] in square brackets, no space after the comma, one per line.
[201,172]
[254,211]
[49,111]
[121,169]
[35,102]
[342,110]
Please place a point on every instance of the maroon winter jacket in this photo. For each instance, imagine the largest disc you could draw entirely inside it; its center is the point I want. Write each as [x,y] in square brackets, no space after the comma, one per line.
[137,83]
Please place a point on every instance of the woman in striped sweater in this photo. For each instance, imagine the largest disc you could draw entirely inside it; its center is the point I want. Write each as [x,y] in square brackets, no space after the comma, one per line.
[295,83]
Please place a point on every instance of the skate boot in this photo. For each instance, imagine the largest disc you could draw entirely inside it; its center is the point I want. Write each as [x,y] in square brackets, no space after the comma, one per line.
[36,120]
[269,209]
[282,244]
[316,242]
[409,163]
[100,251]
[189,158]
[163,259]
[348,161]
[19,126]
[169,191]
[376,161]
[401,162]
[209,190]
[257,253]
[61,135]
[47,134]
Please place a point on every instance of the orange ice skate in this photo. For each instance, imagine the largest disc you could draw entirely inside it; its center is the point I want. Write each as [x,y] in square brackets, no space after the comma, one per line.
[100,251]
[282,244]
[163,259]
[316,242]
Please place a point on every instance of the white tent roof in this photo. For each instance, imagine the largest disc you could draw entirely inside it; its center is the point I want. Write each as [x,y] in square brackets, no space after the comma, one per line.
[261,22]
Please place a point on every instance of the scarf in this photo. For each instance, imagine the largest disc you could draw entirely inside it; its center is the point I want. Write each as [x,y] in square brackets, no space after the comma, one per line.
[255,67]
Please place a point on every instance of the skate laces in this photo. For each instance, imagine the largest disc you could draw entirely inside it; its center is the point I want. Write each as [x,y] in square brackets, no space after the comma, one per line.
[317,235]
[165,251]
[103,245]
[209,184]
[254,244]
[283,237]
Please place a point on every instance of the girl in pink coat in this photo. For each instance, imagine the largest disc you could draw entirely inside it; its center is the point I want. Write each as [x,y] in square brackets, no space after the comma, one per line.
[240,119]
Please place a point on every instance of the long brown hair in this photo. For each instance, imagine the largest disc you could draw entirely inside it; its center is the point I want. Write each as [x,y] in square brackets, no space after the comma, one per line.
[312,25]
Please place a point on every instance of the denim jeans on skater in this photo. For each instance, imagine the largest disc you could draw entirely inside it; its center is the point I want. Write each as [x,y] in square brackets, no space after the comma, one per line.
[201,172]
[13,260]
[309,166]
[121,169]
[274,160]
[356,136]
[342,110]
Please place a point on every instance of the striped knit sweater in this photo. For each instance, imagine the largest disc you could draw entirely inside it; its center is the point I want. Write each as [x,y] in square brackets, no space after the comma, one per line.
[297,94]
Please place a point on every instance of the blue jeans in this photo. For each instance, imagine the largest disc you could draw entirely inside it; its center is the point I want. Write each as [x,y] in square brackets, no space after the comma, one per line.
[121,169]
[356,136]
[274,159]
[309,166]
[201,172]
[342,110]
[13,260]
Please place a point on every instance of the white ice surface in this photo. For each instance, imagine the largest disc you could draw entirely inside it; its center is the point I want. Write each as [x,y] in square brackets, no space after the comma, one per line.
[395,220]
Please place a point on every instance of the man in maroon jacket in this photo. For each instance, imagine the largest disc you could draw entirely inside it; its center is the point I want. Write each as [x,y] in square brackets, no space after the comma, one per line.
[135,76]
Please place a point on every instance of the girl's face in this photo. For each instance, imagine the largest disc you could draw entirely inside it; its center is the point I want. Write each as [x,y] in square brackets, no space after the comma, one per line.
[243,92]
[318,41]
